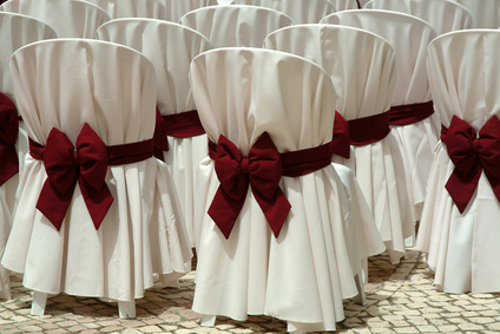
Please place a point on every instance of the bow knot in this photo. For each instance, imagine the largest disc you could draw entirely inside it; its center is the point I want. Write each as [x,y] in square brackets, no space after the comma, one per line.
[262,170]
[9,128]
[65,166]
[471,154]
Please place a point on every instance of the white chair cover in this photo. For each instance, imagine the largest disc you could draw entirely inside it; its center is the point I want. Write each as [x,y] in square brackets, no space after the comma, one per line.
[69,18]
[443,15]
[112,88]
[154,9]
[170,47]
[485,13]
[362,90]
[248,25]
[462,249]
[241,93]
[177,8]
[27,30]
[409,36]
[341,5]
[301,11]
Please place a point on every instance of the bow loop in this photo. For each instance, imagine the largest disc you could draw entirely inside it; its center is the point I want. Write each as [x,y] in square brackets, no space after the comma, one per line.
[9,129]
[470,155]
[92,157]
[262,170]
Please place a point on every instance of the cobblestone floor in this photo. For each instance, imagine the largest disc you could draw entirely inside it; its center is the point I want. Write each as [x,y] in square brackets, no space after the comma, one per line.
[401,299]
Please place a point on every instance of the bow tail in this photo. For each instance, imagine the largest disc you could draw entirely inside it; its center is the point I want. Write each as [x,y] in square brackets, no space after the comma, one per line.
[224,210]
[461,187]
[9,163]
[98,202]
[159,137]
[275,209]
[53,204]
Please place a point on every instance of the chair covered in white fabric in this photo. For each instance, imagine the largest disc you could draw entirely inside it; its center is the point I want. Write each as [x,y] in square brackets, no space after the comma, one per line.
[231,26]
[177,8]
[485,13]
[69,18]
[414,123]
[301,11]
[70,236]
[459,229]
[170,47]
[361,65]
[251,96]
[443,15]
[27,30]
[154,9]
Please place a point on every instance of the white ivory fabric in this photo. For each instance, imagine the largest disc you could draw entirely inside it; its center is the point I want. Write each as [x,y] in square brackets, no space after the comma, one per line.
[361,65]
[485,13]
[243,26]
[345,4]
[113,89]
[301,11]
[303,275]
[409,36]
[170,47]
[443,15]
[69,18]
[177,8]
[154,9]
[27,30]
[462,248]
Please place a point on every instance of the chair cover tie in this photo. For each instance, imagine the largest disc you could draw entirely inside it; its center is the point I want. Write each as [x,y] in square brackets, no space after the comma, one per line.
[410,113]
[9,129]
[262,170]
[86,165]
[182,125]
[368,130]
[471,154]
[341,143]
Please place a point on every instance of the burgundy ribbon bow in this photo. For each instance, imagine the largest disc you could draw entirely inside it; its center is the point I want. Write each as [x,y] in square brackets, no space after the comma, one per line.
[470,155]
[262,170]
[9,129]
[341,142]
[160,137]
[65,166]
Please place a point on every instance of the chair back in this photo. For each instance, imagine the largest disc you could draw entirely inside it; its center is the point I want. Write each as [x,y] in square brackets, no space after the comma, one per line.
[177,8]
[485,13]
[154,9]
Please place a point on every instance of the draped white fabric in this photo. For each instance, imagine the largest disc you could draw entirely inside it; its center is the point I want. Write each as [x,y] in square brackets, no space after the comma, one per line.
[227,26]
[485,13]
[112,88]
[69,18]
[362,90]
[27,30]
[302,275]
[177,8]
[463,249]
[443,15]
[301,11]
[409,36]
[344,4]
[170,47]
[154,9]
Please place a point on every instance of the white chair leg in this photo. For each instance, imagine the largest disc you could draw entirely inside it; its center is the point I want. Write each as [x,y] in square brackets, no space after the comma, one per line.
[39,302]
[361,297]
[126,309]
[208,320]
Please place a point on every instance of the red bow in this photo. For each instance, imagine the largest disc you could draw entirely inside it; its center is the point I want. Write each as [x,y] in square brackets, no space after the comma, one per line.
[262,170]
[160,137]
[341,142]
[9,129]
[470,155]
[64,167]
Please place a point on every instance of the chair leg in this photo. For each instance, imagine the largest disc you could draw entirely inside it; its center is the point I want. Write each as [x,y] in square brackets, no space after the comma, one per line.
[361,297]
[208,320]
[126,309]
[39,302]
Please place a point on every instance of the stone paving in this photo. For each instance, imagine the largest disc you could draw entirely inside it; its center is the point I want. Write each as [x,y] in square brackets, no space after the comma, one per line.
[401,299]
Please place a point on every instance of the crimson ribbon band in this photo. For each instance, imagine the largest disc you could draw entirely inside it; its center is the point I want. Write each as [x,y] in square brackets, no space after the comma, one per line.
[368,130]
[470,154]
[9,129]
[410,113]
[262,171]
[182,125]
[86,165]
[341,142]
